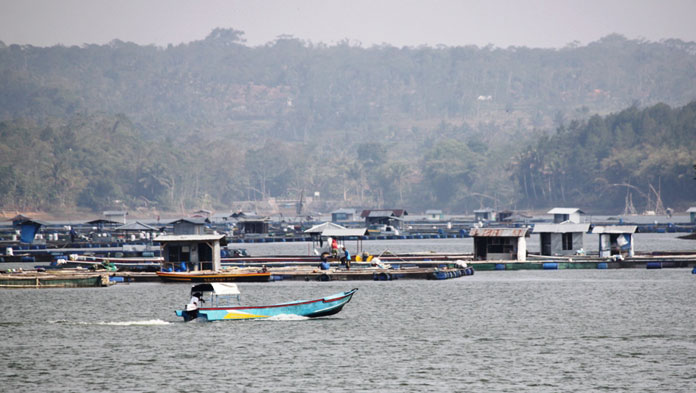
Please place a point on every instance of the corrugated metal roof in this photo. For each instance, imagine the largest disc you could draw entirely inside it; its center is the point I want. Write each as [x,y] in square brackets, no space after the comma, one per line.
[561,228]
[484,210]
[615,229]
[565,210]
[498,232]
[691,210]
[187,238]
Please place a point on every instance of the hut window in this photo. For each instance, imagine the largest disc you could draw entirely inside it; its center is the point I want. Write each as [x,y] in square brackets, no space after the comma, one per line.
[567,241]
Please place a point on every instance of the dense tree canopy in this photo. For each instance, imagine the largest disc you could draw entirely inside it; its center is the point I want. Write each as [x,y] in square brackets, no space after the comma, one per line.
[214,121]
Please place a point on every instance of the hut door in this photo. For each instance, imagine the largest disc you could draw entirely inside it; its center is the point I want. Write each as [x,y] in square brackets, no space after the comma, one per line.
[545,243]
[480,247]
[205,256]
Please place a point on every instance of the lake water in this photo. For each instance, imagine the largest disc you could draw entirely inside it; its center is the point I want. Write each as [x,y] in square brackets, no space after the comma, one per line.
[535,331]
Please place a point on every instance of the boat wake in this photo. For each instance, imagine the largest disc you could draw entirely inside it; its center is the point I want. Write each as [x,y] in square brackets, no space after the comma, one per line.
[287,317]
[151,322]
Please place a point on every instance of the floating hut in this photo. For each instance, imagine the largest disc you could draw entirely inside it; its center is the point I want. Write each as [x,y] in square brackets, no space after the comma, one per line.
[392,217]
[116,215]
[190,252]
[615,240]
[202,213]
[505,216]
[692,214]
[500,243]
[566,214]
[343,215]
[190,226]
[328,229]
[136,230]
[434,215]
[101,224]
[561,239]
[253,225]
[28,228]
[485,214]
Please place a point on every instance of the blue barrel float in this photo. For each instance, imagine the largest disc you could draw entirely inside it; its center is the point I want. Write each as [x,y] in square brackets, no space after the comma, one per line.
[550,266]
[499,266]
[693,271]
[602,265]
[653,265]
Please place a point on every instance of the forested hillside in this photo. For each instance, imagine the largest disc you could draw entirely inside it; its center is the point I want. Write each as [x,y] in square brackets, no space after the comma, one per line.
[214,121]
[636,156]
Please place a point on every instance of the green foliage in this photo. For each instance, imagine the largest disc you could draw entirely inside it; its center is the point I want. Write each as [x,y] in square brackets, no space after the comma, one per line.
[598,162]
[214,121]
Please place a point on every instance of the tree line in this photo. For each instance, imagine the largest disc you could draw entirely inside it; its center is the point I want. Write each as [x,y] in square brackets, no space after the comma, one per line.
[214,121]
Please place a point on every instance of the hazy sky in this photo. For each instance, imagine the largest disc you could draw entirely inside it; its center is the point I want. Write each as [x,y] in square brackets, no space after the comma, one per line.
[533,23]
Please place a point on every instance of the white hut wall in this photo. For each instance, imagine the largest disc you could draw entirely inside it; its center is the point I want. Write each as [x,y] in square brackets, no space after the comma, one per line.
[521,248]
[604,245]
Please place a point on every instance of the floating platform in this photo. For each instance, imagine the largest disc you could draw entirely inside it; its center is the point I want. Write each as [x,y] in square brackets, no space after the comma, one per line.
[308,273]
[556,263]
[57,279]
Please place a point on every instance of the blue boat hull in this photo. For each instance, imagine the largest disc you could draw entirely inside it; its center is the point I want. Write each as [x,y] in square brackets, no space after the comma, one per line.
[307,308]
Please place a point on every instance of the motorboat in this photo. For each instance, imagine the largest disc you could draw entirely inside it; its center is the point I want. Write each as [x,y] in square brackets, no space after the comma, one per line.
[220,301]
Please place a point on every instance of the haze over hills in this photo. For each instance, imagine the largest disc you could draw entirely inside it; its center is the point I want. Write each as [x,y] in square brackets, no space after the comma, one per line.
[211,122]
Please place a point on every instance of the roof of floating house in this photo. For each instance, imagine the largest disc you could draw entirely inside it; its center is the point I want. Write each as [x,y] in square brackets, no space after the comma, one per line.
[561,228]
[188,238]
[102,221]
[335,230]
[384,213]
[615,229]
[484,210]
[254,219]
[192,220]
[565,210]
[499,232]
[319,229]
[345,232]
[691,210]
[135,226]
[344,211]
[20,219]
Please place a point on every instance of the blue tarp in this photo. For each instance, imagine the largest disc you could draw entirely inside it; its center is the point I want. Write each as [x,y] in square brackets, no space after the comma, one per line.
[28,231]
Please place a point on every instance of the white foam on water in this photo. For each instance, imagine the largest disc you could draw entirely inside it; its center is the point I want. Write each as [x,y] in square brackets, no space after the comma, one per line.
[287,317]
[151,322]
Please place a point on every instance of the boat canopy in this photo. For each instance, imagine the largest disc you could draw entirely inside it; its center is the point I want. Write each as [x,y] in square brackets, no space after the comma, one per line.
[218,288]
